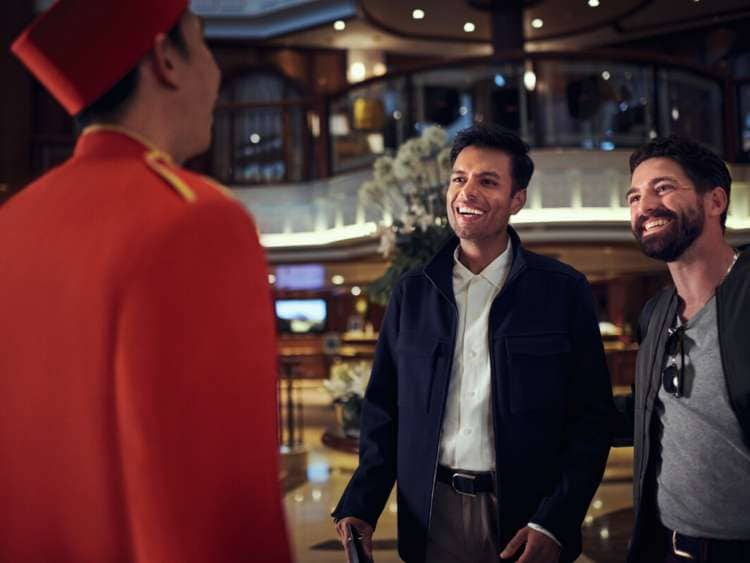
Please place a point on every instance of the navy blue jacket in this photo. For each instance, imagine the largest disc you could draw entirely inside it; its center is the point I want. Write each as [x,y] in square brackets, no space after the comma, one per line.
[551,396]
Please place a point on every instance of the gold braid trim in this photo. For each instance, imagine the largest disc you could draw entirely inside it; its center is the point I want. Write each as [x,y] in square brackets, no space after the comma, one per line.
[155,159]
[159,162]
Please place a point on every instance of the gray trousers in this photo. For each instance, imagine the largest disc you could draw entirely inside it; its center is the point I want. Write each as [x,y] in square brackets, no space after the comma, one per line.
[463,529]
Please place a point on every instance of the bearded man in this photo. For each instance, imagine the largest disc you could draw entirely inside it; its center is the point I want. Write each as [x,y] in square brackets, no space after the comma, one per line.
[691,404]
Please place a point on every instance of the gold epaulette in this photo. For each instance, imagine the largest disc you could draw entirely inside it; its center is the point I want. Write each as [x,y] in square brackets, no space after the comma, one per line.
[159,162]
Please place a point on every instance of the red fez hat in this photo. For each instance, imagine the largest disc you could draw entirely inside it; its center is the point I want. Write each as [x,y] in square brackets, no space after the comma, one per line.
[79,49]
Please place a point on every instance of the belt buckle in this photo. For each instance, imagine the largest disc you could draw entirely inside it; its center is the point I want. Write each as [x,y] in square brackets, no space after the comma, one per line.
[679,552]
[470,478]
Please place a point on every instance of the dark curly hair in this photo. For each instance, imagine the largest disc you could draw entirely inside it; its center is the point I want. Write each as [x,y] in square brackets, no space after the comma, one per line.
[495,137]
[704,168]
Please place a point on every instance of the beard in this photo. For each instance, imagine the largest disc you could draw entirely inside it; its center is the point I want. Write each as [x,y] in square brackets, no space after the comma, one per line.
[674,239]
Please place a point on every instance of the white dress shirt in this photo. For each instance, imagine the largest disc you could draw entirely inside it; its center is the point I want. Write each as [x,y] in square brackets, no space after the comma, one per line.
[468,441]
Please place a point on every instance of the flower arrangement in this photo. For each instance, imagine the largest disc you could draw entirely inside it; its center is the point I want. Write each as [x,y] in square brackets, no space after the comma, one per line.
[346,385]
[348,379]
[409,191]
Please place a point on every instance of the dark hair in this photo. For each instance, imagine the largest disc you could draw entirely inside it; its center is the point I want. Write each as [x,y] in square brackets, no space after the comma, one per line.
[704,168]
[109,105]
[488,136]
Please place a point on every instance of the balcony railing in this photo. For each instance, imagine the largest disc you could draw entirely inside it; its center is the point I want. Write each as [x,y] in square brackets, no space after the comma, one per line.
[601,101]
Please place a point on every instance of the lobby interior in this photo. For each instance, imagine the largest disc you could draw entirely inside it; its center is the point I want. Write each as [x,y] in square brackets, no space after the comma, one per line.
[315,91]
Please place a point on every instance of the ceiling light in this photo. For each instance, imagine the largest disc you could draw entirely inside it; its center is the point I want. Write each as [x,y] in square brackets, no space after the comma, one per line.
[379,69]
[675,113]
[594,3]
[529,80]
[417,14]
[357,72]
[339,25]
[337,279]
[356,290]
[255,138]
[537,23]
[606,75]
[469,27]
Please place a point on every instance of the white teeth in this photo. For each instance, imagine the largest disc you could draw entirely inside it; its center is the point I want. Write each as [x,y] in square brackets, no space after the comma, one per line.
[470,211]
[654,224]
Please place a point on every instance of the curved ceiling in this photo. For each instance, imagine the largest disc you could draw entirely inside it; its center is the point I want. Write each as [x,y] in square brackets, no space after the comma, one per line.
[390,26]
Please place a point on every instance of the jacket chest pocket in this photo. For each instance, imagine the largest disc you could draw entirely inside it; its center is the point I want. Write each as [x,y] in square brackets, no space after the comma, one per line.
[537,371]
[419,359]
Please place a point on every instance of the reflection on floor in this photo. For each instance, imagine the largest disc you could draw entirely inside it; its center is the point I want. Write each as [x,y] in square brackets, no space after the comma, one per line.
[605,533]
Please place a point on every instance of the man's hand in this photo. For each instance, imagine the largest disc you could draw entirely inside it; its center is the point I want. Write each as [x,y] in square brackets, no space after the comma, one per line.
[539,548]
[364,529]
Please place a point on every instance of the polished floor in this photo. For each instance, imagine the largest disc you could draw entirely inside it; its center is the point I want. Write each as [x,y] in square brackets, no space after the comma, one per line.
[606,529]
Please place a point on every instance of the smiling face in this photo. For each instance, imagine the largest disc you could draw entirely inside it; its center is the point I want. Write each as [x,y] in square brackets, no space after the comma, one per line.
[480,198]
[666,213]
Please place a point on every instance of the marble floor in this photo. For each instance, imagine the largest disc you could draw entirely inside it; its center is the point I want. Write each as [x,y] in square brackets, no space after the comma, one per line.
[308,505]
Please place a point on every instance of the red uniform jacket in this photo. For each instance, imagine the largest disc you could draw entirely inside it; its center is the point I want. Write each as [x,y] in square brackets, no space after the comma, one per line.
[137,368]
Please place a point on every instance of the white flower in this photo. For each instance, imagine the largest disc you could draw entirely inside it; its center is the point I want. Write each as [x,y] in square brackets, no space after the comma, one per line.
[383,170]
[408,221]
[387,241]
[435,137]
[348,379]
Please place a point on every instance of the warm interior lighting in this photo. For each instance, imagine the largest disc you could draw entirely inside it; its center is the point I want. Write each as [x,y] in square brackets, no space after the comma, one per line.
[594,3]
[337,279]
[271,279]
[357,72]
[356,290]
[529,80]
[537,23]
[379,69]
[418,14]
[469,27]
[339,25]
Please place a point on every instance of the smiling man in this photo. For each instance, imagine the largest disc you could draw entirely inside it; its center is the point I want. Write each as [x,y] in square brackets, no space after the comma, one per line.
[692,391]
[489,391]
[138,362]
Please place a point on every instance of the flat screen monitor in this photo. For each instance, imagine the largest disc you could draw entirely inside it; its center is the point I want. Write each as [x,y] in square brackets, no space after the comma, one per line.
[301,316]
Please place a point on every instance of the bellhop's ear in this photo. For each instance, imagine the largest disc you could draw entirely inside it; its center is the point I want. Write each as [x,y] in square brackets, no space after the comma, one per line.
[163,62]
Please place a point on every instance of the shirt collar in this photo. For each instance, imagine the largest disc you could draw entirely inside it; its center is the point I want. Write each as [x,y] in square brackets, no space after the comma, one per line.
[495,272]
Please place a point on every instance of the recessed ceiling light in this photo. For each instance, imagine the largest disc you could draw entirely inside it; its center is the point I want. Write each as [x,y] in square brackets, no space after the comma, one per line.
[606,75]
[594,3]
[339,25]
[255,138]
[469,27]
[357,72]
[337,279]
[529,80]
[537,23]
[417,14]
[356,290]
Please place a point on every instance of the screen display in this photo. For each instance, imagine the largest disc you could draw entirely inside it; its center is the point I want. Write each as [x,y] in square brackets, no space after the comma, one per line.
[301,315]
